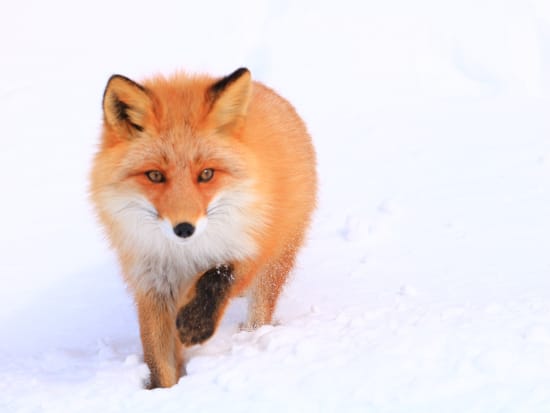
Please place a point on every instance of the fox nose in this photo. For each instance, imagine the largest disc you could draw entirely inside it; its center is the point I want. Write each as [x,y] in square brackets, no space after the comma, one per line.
[184,229]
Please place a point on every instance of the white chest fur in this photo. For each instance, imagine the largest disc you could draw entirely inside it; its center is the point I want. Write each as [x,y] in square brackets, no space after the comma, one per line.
[162,261]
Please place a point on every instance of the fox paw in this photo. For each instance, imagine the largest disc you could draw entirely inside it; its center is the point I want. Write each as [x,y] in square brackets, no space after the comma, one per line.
[196,321]
[255,325]
[192,331]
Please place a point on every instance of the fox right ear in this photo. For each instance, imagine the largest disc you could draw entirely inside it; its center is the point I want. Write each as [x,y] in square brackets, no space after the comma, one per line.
[229,99]
[127,106]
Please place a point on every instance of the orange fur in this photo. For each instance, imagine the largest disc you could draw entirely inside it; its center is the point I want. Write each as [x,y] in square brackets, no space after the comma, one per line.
[264,184]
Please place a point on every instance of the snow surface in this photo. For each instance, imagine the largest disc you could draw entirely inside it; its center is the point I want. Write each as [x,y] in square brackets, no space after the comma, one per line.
[425,285]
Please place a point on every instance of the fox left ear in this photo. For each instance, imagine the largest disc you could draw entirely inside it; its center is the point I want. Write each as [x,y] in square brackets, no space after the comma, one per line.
[127,106]
[229,98]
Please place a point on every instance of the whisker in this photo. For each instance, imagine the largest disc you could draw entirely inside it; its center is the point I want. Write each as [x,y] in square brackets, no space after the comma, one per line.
[137,206]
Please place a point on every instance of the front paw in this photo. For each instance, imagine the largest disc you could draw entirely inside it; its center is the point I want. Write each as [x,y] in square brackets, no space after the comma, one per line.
[196,321]
[194,326]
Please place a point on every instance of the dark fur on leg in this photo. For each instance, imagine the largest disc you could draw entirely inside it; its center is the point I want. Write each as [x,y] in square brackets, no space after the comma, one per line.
[196,321]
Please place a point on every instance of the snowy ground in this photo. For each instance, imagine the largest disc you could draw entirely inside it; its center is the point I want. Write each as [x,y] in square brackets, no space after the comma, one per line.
[425,286]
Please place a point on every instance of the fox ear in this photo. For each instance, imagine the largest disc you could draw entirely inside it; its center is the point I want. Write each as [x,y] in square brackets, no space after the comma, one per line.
[229,98]
[127,106]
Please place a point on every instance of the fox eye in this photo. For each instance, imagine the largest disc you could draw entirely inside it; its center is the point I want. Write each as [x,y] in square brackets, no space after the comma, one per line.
[156,177]
[206,175]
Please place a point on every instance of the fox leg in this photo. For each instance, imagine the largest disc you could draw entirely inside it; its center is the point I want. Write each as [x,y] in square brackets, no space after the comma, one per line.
[161,351]
[197,320]
[266,288]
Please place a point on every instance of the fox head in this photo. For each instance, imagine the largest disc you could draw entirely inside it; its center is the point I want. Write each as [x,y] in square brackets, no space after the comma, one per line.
[172,173]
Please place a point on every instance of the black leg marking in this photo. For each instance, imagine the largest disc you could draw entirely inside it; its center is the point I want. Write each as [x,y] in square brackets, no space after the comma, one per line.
[197,320]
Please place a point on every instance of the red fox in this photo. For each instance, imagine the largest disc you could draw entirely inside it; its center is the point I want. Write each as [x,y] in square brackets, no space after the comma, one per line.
[205,187]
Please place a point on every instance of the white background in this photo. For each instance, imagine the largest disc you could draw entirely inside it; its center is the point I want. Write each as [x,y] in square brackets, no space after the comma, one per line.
[425,284]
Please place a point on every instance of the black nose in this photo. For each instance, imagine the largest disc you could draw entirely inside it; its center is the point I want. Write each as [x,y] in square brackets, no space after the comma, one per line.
[184,229]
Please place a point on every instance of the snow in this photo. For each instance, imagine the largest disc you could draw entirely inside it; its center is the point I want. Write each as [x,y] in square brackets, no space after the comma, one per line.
[425,283]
